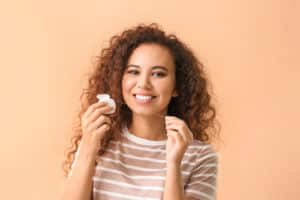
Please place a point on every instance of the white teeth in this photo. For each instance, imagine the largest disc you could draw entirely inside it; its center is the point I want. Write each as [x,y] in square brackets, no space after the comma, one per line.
[143,97]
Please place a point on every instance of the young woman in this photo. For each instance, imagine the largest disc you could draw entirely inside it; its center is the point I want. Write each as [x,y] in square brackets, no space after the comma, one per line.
[156,145]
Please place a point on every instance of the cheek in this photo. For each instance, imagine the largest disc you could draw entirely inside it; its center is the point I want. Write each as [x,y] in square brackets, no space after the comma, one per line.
[166,87]
[127,84]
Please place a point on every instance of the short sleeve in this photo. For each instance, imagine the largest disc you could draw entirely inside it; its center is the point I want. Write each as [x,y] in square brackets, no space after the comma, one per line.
[203,179]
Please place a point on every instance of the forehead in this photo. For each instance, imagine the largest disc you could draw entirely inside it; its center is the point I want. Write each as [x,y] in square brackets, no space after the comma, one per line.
[148,55]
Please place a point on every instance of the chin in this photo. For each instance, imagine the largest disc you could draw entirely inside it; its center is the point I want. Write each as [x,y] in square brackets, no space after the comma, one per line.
[146,112]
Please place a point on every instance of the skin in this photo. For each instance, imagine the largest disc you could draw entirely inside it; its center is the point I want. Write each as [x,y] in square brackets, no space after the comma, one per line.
[149,122]
[95,125]
[143,76]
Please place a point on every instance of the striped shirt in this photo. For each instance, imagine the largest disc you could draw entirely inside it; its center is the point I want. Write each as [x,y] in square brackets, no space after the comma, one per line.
[134,168]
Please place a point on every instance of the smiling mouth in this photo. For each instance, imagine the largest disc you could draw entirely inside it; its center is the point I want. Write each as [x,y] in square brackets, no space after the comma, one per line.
[144,98]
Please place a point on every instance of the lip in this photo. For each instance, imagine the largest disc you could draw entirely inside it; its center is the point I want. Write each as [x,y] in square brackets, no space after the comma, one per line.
[144,101]
[144,94]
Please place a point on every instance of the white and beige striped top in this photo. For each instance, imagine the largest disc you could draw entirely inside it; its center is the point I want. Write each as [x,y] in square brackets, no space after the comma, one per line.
[135,168]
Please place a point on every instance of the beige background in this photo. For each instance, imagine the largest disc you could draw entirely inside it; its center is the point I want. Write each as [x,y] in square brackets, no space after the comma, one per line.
[251,49]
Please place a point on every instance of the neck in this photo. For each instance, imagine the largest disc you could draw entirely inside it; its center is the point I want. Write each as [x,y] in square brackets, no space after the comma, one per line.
[148,127]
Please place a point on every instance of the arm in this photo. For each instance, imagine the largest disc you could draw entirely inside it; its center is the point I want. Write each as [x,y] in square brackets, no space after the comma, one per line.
[202,182]
[79,184]
[179,137]
[173,184]
[202,185]
[94,127]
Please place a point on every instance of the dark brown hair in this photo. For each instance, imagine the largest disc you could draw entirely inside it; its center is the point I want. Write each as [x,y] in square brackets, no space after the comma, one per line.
[193,103]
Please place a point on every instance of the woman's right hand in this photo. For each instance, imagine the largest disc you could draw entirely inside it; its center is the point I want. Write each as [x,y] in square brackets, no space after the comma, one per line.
[95,125]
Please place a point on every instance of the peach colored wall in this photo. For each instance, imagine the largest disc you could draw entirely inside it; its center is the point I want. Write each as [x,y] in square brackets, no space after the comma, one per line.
[251,49]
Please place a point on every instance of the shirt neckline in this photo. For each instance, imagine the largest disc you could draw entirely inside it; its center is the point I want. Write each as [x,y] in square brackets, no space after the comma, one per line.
[140,140]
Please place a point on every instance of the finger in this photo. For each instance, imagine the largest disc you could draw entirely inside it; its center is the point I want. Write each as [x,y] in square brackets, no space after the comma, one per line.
[99,133]
[99,111]
[98,122]
[183,129]
[176,120]
[92,107]
[180,129]
[176,136]
[172,118]
[181,126]
[170,134]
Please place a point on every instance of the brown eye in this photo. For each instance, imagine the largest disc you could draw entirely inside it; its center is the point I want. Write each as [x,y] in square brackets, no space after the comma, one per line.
[133,72]
[159,74]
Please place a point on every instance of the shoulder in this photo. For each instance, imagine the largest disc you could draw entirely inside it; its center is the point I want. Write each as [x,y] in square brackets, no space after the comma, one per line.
[203,152]
[202,182]
[201,147]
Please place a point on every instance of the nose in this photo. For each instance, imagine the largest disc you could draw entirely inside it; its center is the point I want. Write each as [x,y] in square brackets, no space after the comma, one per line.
[144,82]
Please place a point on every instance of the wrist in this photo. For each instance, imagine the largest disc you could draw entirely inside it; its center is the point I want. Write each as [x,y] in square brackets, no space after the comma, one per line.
[85,162]
[90,148]
[174,160]
[88,153]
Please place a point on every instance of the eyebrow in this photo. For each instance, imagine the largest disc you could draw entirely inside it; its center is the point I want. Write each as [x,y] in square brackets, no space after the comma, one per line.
[153,67]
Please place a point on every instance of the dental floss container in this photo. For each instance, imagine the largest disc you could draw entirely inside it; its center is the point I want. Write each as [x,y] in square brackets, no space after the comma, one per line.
[106,98]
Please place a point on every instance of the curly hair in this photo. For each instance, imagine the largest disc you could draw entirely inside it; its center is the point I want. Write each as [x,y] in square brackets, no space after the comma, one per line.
[193,103]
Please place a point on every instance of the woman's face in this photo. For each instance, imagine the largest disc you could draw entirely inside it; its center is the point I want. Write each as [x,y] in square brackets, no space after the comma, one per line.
[148,81]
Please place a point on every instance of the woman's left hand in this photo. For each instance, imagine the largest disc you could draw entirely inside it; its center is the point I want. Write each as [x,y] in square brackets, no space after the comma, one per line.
[179,137]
